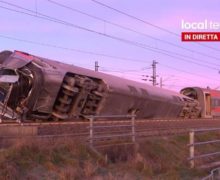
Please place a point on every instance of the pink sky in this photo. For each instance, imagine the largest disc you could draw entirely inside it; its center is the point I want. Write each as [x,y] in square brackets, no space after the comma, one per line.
[164,13]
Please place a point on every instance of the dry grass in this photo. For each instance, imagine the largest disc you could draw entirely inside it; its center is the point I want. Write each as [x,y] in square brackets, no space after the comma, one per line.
[163,158]
[58,159]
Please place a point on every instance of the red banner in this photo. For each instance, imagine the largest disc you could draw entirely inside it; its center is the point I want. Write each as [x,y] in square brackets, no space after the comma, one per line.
[200,36]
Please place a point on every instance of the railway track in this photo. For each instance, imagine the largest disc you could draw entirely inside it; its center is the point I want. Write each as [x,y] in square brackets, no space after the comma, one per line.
[103,127]
[104,133]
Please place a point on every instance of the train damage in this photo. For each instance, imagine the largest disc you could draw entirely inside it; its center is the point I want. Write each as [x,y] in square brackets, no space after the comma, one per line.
[32,87]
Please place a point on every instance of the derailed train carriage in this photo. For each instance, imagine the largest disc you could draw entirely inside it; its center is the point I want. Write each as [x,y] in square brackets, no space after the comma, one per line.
[32,87]
[209,100]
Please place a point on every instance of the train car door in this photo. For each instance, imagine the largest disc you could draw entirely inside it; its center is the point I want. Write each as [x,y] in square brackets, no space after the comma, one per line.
[207,104]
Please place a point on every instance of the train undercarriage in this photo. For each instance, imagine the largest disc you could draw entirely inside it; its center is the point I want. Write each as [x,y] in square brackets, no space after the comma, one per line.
[78,96]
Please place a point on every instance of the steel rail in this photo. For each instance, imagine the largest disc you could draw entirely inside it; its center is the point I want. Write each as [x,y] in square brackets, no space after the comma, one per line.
[28,123]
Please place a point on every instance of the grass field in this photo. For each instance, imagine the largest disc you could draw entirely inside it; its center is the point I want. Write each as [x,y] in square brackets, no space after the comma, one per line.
[155,158]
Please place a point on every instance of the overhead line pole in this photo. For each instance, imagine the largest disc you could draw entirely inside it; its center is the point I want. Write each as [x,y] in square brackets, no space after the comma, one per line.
[96,66]
[154,76]
[161,82]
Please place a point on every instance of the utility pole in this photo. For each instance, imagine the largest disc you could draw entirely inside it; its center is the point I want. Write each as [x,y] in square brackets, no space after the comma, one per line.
[96,66]
[154,76]
[161,82]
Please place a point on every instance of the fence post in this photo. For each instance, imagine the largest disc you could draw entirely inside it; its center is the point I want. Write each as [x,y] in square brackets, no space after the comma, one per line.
[191,148]
[133,127]
[91,130]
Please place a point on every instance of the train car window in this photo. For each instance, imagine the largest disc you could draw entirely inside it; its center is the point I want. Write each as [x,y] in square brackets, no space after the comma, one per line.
[215,102]
[218,102]
[7,72]
[132,89]
[144,92]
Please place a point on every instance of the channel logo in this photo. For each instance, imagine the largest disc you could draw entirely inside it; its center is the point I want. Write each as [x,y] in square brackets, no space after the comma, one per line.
[203,26]
[200,36]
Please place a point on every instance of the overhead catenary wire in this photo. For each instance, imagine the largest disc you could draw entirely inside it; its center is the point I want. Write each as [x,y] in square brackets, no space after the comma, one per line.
[135,31]
[100,54]
[121,70]
[126,41]
[180,70]
[140,74]
[148,23]
[191,73]
[134,17]
[72,49]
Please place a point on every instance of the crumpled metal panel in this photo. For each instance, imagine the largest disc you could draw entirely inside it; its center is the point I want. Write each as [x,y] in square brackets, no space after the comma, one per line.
[8,112]
[4,55]
[52,81]
[16,61]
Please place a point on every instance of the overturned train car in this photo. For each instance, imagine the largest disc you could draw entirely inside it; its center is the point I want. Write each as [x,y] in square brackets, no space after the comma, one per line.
[32,87]
[208,99]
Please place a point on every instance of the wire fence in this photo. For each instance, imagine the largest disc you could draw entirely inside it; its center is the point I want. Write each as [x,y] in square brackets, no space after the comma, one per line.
[192,144]
[214,175]
[110,133]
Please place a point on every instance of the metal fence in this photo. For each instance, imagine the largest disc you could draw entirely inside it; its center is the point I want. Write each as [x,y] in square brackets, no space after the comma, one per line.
[214,175]
[192,144]
[103,136]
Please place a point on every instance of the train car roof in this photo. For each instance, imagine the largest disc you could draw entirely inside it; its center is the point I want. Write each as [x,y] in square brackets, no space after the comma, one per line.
[19,59]
[115,81]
